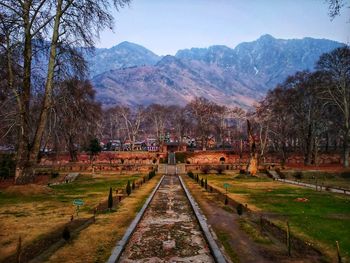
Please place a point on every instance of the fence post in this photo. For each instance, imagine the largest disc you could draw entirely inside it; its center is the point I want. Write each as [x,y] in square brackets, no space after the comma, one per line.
[261,224]
[338,252]
[288,239]
[19,250]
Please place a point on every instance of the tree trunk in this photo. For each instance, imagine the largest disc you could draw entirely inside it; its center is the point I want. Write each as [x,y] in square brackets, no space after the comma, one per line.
[28,157]
[316,145]
[309,146]
[49,86]
[72,150]
[23,167]
[327,142]
[346,148]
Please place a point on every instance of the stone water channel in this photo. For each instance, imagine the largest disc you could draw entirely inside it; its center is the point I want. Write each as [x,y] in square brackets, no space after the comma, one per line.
[169,230]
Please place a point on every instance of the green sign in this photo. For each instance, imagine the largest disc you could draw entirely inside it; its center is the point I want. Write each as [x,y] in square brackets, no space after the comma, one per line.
[78,202]
[226,185]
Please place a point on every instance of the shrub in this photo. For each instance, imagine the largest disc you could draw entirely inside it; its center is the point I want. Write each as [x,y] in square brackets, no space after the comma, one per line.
[110,199]
[151,174]
[220,169]
[7,165]
[345,174]
[205,169]
[93,148]
[190,174]
[298,175]
[239,209]
[180,157]
[128,188]
[66,233]
[54,175]
[280,174]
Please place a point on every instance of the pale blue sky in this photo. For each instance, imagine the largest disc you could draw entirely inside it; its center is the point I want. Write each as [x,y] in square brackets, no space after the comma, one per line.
[165,26]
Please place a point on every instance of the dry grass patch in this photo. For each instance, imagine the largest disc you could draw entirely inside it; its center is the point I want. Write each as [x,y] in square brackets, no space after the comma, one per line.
[29,221]
[31,211]
[27,190]
[95,243]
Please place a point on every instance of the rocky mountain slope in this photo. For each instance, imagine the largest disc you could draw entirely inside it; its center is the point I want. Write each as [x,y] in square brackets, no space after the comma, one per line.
[123,55]
[238,76]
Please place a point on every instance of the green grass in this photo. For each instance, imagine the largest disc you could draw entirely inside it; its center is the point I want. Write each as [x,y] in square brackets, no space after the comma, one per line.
[330,179]
[324,219]
[253,232]
[84,187]
[12,198]
[224,239]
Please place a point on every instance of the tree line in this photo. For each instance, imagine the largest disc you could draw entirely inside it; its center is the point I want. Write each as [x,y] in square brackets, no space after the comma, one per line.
[53,103]
[309,111]
[31,30]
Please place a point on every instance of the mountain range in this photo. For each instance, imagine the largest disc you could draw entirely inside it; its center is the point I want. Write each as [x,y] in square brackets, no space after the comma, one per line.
[130,74]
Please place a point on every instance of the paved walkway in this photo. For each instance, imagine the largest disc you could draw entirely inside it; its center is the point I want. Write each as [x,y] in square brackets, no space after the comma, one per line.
[169,231]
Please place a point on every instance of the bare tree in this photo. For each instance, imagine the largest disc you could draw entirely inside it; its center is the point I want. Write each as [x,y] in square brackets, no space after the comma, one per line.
[77,113]
[179,120]
[335,67]
[220,123]
[335,6]
[276,106]
[158,116]
[203,112]
[133,119]
[64,23]
[262,119]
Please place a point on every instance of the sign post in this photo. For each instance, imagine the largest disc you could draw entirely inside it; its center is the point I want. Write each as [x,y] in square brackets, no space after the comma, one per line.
[226,185]
[78,203]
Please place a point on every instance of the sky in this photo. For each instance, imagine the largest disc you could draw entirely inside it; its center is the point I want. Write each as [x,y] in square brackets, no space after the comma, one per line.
[165,26]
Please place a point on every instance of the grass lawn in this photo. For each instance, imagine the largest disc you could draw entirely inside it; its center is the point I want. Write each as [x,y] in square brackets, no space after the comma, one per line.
[322,220]
[33,210]
[95,243]
[337,180]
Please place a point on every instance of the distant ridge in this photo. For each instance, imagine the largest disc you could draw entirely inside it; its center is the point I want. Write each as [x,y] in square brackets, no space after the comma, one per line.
[123,55]
[134,75]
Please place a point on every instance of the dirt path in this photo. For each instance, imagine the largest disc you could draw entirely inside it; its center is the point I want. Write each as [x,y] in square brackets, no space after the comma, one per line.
[226,223]
[169,231]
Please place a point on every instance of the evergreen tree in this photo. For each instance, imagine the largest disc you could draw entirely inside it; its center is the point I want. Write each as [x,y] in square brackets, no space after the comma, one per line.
[128,188]
[93,148]
[66,233]
[239,209]
[110,199]
[190,174]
